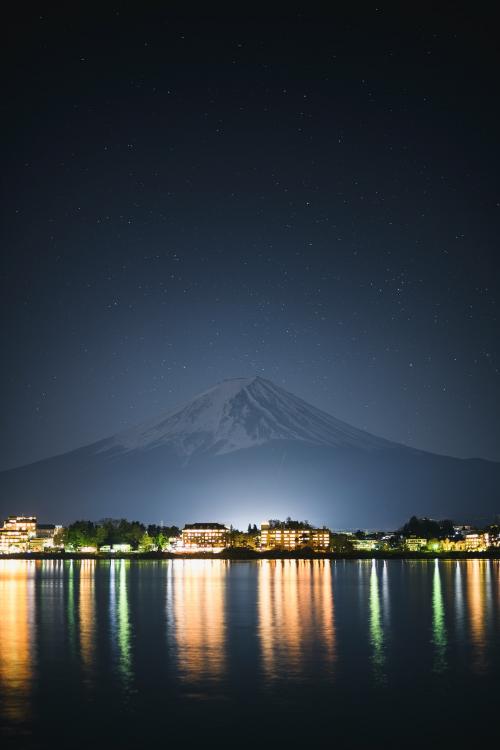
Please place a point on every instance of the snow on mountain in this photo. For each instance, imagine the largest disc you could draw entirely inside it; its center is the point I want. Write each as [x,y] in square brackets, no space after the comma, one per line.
[242,413]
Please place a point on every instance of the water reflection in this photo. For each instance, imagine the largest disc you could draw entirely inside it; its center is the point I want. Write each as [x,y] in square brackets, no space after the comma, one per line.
[198,618]
[87,615]
[70,607]
[459,600]
[17,589]
[439,637]
[476,602]
[296,616]
[376,630]
[120,617]
[386,594]
[233,626]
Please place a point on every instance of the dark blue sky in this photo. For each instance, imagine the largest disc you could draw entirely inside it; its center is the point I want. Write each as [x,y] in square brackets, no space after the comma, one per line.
[188,199]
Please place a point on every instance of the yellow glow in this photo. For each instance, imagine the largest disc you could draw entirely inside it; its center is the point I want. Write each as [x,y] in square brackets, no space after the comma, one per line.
[476,607]
[17,618]
[87,614]
[198,618]
[296,613]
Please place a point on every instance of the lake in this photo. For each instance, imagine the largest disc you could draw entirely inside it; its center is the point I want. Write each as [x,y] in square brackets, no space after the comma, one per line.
[285,652]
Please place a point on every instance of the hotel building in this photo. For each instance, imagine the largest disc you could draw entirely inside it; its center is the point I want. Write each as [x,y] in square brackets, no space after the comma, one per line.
[16,533]
[473,542]
[365,545]
[204,537]
[415,543]
[283,538]
[477,542]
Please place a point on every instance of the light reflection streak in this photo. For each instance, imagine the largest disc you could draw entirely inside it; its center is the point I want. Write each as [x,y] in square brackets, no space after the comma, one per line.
[70,608]
[124,623]
[17,635]
[296,614]
[476,607]
[120,617]
[459,599]
[439,637]
[198,619]
[86,612]
[385,594]
[376,630]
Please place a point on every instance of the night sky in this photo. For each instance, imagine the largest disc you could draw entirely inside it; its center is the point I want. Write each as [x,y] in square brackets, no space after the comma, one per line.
[310,199]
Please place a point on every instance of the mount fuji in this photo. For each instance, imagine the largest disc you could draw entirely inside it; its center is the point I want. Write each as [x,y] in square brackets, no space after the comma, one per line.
[246,450]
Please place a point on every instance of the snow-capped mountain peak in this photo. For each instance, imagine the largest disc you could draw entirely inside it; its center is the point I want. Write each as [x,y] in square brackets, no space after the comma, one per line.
[241,413]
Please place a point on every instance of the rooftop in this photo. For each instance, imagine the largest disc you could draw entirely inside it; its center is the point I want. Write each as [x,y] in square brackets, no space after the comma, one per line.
[204,526]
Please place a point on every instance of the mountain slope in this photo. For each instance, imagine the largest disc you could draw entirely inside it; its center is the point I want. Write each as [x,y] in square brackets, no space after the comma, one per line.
[244,451]
[242,413]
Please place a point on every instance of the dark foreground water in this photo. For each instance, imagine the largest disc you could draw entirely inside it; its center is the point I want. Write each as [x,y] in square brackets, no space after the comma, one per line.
[217,653]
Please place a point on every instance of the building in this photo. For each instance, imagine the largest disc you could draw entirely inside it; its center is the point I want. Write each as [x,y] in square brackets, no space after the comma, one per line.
[365,545]
[47,530]
[453,545]
[415,544]
[281,537]
[464,529]
[476,542]
[16,533]
[120,548]
[44,539]
[204,537]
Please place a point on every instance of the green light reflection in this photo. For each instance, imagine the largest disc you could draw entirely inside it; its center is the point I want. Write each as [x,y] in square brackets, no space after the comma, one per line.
[439,637]
[71,608]
[124,624]
[376,630]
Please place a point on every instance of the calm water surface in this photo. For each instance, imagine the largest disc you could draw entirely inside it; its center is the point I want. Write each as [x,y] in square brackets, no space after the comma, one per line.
[119,653]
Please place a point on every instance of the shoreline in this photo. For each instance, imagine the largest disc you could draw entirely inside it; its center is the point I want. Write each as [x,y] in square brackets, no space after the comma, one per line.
[247,556]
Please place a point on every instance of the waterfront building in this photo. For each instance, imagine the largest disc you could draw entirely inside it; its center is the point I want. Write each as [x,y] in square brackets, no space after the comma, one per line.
[116,548]
[453,545]
[283,538]
[365,545]
[204,537]
[476,542]
[44,539]
[16,533]
[415,544]
[47,530]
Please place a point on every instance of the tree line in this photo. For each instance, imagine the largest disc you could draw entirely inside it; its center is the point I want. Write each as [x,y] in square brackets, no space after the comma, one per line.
[116,531]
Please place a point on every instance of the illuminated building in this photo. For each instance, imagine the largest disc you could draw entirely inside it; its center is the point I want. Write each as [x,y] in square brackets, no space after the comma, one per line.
[476,542]
[16,533]
[415,544]
[44,539]
[203,537]
[365,545]
[453,545]
[283,538]
[116,548]
[473,542]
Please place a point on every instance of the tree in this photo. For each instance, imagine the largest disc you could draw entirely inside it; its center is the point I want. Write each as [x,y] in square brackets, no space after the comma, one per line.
[427,528]
[275,523]
[82,534]
[146,544]
[340,543]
